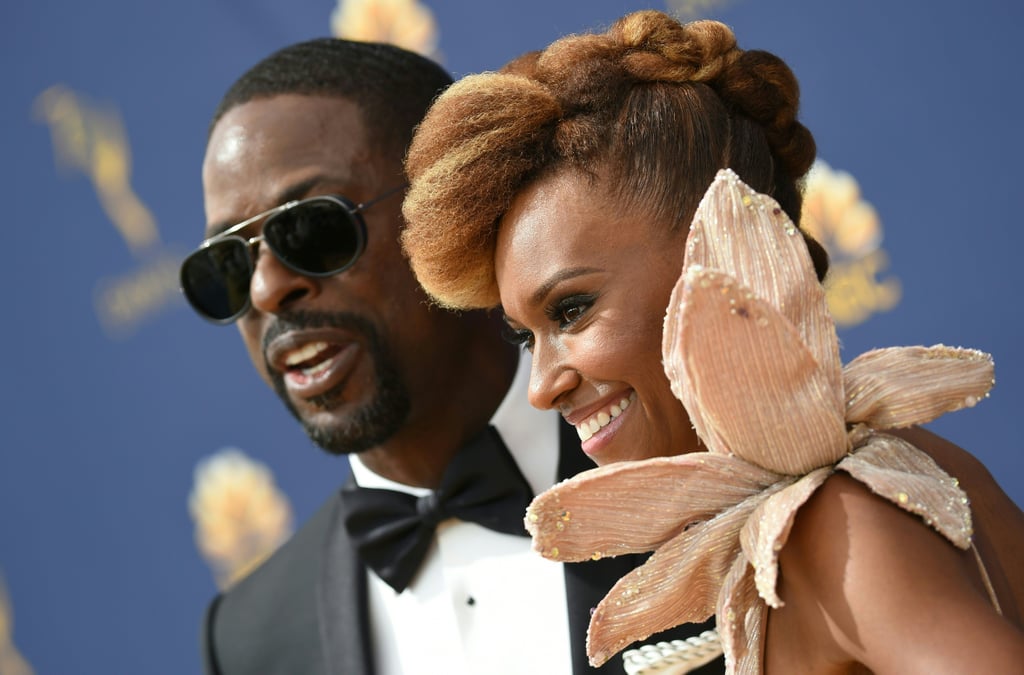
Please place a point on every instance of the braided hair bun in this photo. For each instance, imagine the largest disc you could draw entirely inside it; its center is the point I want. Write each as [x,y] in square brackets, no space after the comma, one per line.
[651,109]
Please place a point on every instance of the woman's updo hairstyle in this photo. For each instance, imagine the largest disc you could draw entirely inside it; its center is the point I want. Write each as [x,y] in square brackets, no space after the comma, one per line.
[651,110]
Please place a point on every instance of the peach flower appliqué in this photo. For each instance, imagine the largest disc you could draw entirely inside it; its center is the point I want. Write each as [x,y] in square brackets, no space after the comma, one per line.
[751,350]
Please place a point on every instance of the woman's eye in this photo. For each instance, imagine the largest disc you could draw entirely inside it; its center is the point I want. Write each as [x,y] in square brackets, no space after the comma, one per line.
[569,310]
[570,314]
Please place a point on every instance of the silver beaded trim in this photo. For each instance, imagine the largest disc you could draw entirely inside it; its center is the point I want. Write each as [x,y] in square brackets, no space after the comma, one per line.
[673,658]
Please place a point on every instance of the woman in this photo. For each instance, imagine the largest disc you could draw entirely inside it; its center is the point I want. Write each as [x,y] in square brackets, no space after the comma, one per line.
[562,189]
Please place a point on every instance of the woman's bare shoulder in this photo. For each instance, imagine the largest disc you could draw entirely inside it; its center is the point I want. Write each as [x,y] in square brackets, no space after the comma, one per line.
[998,521]
[867,572]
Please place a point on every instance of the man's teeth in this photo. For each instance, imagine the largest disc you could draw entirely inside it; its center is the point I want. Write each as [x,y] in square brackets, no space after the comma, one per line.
[589,427]
[304,353]
[317,369]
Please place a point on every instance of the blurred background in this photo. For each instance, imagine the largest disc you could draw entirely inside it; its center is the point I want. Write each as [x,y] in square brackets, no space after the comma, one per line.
[143,462]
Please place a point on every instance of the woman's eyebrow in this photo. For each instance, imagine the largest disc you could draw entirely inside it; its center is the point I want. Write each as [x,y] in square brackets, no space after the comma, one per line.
[558,277]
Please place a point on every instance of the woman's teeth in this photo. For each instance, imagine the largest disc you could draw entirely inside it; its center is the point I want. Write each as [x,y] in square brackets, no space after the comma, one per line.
[591,426]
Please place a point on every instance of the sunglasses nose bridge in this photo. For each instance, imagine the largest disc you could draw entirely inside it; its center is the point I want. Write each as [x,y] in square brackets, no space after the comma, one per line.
[252,245]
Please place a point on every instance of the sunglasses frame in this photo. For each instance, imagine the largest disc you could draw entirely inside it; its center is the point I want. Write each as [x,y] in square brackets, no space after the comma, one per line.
[354,210]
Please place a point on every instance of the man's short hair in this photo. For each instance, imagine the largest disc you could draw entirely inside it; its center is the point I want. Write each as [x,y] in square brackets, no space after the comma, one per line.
[393,87]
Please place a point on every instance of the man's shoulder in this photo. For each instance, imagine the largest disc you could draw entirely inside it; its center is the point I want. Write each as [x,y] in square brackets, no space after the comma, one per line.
[297,560]
[270,616]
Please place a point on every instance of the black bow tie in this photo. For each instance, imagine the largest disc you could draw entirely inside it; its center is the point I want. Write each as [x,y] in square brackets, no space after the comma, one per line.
[392,530]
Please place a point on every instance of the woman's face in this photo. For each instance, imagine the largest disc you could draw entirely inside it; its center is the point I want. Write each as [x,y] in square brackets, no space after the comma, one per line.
[584,286]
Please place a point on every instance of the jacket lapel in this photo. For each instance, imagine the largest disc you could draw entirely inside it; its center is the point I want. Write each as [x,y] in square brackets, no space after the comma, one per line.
[342,603]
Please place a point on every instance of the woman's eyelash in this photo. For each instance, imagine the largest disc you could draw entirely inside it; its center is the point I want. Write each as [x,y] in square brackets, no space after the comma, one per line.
[517,336]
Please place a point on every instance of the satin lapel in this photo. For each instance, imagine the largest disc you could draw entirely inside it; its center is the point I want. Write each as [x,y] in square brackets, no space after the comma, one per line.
[342,604]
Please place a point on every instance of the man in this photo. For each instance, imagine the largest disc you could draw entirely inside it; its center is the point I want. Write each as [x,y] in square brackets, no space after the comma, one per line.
[302,183]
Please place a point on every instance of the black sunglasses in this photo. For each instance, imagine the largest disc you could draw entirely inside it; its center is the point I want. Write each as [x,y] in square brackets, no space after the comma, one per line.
[316,237]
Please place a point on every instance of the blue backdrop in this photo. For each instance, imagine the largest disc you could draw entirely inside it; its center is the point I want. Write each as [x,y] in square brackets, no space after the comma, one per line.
[117,395]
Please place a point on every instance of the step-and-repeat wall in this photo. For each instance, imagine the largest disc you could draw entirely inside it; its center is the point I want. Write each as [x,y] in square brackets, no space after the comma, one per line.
[143,462]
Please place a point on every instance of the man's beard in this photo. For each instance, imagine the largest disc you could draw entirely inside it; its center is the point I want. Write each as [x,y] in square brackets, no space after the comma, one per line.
[373,423]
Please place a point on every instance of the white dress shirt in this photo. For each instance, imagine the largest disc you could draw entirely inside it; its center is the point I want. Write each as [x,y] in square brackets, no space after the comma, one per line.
[483,602]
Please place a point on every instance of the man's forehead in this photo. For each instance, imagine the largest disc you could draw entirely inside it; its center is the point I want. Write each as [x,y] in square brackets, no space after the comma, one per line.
[293,116]
[227,143]
[261,149]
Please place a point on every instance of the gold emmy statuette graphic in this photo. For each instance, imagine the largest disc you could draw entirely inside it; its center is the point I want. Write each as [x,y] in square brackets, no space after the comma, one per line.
[11,661]
[240,515]
[405,23]
[849,228]
[92,140]
[693,9]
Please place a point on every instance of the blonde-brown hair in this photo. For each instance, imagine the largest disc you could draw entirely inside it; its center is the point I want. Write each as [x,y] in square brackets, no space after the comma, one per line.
[652,107]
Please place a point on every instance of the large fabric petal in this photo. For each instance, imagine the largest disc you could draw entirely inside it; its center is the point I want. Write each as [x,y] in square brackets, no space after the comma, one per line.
[898,471]
[747,370]
[747,235]
[674,361]
[680,583]
[653,501]
[900,386]
[741,618]
[766,532]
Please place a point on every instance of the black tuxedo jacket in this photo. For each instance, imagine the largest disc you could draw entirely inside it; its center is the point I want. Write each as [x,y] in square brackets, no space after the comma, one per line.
[276,621]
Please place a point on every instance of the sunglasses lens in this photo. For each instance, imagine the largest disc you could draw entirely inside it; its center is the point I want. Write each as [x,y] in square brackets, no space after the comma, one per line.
[318,237]
[215,279]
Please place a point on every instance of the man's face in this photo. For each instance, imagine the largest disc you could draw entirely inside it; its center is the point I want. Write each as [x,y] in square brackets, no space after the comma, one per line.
[346,353]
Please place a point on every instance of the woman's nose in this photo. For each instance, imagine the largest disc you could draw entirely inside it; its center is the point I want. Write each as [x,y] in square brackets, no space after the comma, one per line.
[551,378]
